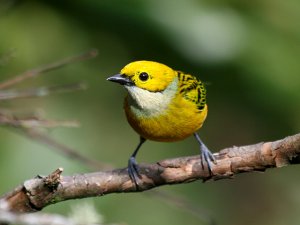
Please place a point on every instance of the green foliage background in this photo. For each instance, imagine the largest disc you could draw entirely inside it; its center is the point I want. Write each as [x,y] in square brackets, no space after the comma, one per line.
[246,51]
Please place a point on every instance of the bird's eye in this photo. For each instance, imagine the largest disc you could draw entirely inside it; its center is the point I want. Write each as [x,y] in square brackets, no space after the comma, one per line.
[144,76]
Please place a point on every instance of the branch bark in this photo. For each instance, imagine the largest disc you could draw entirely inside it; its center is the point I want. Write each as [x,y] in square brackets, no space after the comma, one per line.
[37,193]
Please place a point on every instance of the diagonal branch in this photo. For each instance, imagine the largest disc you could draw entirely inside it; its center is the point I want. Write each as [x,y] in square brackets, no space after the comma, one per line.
[34,122]
[35,194]
[38,136]
[40,91]
[46,68]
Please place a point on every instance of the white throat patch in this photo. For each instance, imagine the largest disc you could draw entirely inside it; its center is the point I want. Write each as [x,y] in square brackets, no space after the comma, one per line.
[145,103]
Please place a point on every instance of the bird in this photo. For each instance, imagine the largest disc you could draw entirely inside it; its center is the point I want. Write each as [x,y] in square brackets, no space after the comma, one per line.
[164,105]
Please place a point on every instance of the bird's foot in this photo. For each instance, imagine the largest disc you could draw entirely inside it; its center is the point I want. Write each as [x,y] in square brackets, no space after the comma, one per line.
[207,157]
[133,171]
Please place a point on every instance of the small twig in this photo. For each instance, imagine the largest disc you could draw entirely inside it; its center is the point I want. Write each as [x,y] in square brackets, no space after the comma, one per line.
[46,68]
[40,92]
[35,195]
[61,148]
[53,180]
[10,120]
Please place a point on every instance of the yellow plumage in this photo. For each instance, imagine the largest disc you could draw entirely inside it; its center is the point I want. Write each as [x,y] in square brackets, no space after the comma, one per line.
[179,121]
[162,105]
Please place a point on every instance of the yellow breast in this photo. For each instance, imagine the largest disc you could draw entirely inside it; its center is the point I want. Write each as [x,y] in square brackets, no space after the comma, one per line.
[180,119]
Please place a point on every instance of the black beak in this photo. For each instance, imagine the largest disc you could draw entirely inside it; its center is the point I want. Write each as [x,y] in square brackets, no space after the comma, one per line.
[119,78]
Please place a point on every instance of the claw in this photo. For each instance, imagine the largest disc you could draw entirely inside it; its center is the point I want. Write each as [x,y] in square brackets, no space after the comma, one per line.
[133,171]
[206,155]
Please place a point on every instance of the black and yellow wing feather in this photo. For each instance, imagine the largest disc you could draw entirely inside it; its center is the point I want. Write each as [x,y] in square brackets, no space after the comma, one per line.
[192,89]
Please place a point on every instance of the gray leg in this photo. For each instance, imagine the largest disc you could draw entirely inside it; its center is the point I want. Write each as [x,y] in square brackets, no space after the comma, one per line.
[206,155]
[133,166]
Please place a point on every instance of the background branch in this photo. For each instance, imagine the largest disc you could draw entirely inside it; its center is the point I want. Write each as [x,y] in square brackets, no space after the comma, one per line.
[46,68]
[35,194]
[40,91]
[33,122]
[28,125]
[67,151]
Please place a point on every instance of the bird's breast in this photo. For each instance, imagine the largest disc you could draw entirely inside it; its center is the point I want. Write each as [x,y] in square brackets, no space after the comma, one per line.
[165,121]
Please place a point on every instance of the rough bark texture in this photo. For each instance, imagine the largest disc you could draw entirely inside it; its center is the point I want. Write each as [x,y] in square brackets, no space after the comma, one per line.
[35,194]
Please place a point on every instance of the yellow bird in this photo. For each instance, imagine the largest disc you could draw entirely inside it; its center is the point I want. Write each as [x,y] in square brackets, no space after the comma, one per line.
[162,105]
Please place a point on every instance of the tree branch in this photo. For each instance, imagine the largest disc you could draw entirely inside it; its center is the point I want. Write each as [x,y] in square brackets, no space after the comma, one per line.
[34,122]
[35,194]
[67,151]
[6,95]
[46,68]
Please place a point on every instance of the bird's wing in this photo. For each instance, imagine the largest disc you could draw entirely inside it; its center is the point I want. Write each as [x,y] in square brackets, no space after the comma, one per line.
[192,89]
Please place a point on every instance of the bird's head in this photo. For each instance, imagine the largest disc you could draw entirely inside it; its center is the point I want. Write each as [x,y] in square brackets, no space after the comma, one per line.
[147,75]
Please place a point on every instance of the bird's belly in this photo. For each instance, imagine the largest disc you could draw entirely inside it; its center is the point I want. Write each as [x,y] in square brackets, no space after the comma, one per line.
[172,125]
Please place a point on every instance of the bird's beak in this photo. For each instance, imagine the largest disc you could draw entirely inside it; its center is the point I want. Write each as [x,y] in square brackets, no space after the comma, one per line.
[119,78]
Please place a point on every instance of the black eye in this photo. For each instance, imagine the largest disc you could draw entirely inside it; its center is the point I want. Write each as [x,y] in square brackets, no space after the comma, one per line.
[144,76]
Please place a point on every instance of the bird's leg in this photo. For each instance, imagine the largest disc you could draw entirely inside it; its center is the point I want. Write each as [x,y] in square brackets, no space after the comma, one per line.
[133,166]
[206,154]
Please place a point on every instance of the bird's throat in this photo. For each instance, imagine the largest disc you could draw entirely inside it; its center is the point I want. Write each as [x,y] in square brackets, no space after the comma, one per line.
[145,104]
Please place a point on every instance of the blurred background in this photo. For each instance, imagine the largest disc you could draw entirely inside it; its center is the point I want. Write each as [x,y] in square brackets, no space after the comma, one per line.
[247,52]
